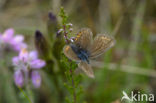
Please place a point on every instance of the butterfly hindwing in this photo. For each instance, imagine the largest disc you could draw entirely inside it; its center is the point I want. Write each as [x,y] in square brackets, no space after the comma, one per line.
[100,44]
[70,53]
[87,69]
[84,38]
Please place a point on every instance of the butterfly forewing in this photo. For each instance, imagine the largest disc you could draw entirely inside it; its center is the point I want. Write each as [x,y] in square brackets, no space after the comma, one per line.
[84,38]
[87,69]
[100,44]
[70,54]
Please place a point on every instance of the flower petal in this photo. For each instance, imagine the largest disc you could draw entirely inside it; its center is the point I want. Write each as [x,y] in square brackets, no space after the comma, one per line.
[23,55]
[19,78]
[17,39]
[36,79]
[15,60]
[33,55]
[37,64]
[18,47]
[8,34]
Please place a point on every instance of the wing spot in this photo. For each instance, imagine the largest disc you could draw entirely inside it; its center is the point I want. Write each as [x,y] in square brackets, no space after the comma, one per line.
[67,48]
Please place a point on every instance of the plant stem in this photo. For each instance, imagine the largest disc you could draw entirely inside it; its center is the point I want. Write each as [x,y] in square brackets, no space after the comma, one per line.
[65,34]
[73,85]
[127,68]
[137,23]
[25,94]
[29,92]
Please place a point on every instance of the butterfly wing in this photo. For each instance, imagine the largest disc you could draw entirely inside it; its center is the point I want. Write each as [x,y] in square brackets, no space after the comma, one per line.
[84,38]
[70,53]
[100,44]
[87,69]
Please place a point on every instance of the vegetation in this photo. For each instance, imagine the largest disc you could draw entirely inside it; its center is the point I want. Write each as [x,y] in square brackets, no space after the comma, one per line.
[46,26]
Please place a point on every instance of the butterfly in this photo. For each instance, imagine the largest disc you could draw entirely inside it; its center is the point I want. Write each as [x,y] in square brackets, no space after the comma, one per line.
[84,49]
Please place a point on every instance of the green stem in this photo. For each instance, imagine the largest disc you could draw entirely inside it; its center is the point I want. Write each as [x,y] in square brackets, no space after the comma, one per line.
[73,85]
[26,96]
[29,92]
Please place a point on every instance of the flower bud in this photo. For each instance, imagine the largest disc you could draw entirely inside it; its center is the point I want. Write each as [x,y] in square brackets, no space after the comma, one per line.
[52,17]
[71,29]
[52,25]
[42,45]
[70,24]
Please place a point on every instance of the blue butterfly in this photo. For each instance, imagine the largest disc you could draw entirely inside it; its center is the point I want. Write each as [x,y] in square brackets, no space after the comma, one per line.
[84,49]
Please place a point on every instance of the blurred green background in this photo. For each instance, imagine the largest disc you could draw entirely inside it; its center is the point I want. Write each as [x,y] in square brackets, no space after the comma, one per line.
[129,66]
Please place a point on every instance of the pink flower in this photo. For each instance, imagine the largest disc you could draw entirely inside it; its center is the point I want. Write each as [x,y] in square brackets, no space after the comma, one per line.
[15,42]
[7,35]
[18,78]
[28,63]
[36,79]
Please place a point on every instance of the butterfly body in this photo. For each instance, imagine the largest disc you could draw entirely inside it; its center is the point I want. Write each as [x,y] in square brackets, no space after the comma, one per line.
[81,53]
[84,49]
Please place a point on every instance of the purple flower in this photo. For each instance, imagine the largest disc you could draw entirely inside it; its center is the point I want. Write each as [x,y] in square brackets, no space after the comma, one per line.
[18,78]
[15,42]
[37,64]
[36,79]
[28,63]
[7,35]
